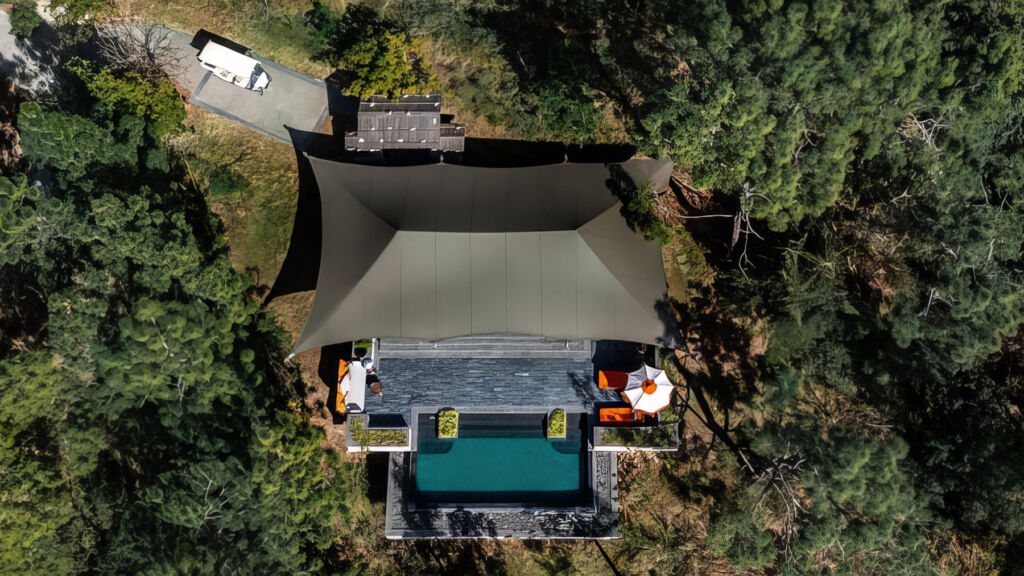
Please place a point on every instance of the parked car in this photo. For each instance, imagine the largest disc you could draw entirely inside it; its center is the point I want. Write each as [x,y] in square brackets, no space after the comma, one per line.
[234,67]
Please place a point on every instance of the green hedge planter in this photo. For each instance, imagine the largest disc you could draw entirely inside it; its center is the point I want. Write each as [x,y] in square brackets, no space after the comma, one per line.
[448,423]
[367,437]
[660,436]
[556,424]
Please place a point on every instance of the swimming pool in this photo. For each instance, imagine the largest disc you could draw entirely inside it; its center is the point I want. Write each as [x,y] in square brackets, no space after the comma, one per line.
[501,458]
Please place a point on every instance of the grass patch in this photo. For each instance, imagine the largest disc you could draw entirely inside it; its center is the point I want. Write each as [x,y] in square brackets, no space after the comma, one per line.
[252,184]
[376,437]
[447,423]
[556,424]
[277,32]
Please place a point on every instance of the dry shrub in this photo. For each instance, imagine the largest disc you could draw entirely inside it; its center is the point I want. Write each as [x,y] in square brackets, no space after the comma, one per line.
[832,408]
[955,553]
[666,502]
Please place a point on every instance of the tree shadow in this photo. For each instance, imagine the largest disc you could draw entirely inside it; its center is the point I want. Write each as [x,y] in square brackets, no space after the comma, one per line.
[574,46]
[33,62]
[462,522]
[327,370]
[204,36]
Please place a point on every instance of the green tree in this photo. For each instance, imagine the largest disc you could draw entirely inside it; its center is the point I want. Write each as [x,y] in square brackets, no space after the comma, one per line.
[378,57]
[157,102]
[74,147]
[36,521]
[147,422]
[24,18]
[389,65]
[73,11]
[742,538]
[17,214]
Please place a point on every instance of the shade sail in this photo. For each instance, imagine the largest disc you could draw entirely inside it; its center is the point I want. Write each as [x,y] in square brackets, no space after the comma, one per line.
[439,251]
[648,390]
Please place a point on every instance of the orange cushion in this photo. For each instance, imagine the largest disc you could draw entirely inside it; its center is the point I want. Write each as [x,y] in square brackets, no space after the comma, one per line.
[339,403]
[609,379]
[623,414]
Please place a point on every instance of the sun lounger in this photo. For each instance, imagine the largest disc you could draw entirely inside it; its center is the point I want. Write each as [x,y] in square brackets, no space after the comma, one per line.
[339,403]
[611,380]
[617,414]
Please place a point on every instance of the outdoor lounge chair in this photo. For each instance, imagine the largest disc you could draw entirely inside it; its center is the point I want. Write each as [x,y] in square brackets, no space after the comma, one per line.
[339,403]
[611,380]
[617,414]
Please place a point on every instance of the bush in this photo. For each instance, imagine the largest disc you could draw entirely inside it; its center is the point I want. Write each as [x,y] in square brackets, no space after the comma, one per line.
[742,539]
[448,424]
[377,56]
[24,18]
[371,437]
[660,436]
[556,424]
[157,102]
[72,11]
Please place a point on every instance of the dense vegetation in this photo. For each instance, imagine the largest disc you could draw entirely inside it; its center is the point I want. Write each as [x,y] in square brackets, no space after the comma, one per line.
[24,18]
[375,56]
[147,421]
[855,341]
[846,254]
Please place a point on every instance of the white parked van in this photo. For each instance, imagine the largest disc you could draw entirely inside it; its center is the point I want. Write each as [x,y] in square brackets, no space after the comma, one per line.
[234,67]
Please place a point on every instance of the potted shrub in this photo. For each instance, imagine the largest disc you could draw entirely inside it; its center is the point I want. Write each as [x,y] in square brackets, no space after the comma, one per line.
[556,424]
[448,423]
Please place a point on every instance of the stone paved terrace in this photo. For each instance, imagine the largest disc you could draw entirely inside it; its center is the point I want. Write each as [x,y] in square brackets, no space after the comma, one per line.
[496,373]
[405,520]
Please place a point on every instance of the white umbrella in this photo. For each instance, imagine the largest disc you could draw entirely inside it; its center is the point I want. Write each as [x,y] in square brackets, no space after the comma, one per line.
[648,390]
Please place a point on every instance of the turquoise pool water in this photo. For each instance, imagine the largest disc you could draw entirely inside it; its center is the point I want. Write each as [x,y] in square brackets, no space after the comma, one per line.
[498,465]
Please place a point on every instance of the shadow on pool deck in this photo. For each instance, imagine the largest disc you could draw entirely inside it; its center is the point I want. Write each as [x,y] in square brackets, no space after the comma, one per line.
[621,356]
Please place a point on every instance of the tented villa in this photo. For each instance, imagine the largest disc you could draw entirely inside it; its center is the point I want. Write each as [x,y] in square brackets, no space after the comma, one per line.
[495,315]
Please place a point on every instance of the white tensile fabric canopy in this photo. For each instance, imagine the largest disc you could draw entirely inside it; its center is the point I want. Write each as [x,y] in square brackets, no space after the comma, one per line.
[441,251]
[648,390]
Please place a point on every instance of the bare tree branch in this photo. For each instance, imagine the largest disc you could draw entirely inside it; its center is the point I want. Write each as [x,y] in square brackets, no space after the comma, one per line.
[138,46]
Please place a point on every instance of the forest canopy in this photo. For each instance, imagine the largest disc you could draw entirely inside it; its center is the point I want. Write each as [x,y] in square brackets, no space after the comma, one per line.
[841,238]
[146,416]
[858,331]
